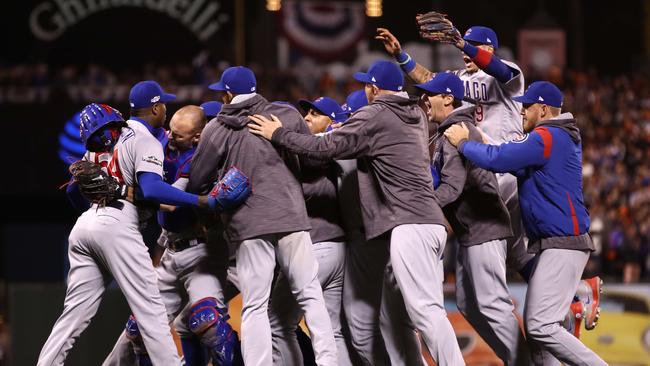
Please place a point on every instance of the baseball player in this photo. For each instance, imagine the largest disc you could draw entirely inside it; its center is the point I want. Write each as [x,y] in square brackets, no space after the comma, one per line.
[319,188]
[547,162]
[389,138]
[272,225]
[365,265]
[492,83]
[105,241]
[190,277]
[470,200]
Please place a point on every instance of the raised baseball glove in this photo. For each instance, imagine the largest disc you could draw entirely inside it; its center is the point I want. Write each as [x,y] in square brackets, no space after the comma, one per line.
[436,27]
[94,184]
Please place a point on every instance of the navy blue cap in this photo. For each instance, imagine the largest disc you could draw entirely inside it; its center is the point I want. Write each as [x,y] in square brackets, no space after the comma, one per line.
[444,83]
[326,106]
[237,80]
[146,93]
[212,108]
[354,101]
[384,74]
[482,35]
[541,92]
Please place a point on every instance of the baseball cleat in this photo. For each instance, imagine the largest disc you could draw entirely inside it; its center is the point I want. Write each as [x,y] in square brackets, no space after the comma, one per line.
[589,292]
[573,319]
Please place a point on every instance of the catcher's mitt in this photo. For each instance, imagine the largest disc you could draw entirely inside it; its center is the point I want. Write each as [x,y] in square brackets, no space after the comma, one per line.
[435,26]
[94,184]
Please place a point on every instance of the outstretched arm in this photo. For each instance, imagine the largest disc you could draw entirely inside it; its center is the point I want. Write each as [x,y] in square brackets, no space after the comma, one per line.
[534,149]
[414,70]
[488,62]
[344,143]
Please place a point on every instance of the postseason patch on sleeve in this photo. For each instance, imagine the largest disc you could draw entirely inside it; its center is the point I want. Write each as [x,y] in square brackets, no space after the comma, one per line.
[520,139]
[152,160]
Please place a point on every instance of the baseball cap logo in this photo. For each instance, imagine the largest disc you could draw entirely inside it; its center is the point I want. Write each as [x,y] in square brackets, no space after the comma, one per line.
[252,89]
[373,79]
[540,98]
[227,87]
[448,90]
[155,99]
[489,40]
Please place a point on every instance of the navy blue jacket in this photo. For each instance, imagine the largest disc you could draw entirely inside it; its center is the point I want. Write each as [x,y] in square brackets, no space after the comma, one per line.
[548,165]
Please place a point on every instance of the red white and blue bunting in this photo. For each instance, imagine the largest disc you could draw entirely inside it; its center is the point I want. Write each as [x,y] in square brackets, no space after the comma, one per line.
[323,29]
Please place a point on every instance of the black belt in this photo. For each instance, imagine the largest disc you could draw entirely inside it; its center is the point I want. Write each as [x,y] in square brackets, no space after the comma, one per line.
[182,244]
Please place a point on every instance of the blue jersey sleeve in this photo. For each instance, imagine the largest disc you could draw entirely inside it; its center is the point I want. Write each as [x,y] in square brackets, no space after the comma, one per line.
[154,188]
[76,199]
[532,150]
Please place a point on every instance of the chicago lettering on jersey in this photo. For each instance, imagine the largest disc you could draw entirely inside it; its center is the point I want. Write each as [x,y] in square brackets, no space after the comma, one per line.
[476,90]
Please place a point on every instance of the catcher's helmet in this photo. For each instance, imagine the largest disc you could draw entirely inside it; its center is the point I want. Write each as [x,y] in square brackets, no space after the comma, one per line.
[93,118]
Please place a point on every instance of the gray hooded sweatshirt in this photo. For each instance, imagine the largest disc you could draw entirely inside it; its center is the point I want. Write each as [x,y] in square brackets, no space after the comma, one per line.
[276,204]
[468,195]
[319,187]
[389,138]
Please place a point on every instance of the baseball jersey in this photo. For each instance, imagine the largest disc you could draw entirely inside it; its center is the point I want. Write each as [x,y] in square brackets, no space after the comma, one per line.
[137,150]
[496,113]
[177,164]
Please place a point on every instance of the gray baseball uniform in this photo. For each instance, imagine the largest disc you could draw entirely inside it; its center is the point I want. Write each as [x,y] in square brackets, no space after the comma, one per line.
[184,278]
[365,267]
[551,289]
[106,242]
[389,138]
[270,226]
[499,117]
[470,200]
[319,188]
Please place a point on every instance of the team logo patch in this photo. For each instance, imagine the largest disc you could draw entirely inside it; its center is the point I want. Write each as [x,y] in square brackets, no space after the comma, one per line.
[520,139]
[152,160]
[155,99]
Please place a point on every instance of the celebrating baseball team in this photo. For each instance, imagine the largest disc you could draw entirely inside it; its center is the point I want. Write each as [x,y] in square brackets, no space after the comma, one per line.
[339,215]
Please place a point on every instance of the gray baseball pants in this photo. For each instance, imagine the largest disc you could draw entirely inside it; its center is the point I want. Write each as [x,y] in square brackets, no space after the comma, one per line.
[365,267]
[482,296]
[106,243]
[414,277]
[284,313]
[550,291]
[518,255]
[184,278]
[256,259]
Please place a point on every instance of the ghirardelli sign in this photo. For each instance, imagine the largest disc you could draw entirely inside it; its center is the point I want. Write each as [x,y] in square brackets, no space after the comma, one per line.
[48,20]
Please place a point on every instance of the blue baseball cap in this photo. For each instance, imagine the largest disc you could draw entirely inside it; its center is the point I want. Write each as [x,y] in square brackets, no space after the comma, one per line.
[354,101]
[211,109]
[482,35]
[326,106]
[541,92]
[147,93]
[384,74]
[444,83]
[237,80]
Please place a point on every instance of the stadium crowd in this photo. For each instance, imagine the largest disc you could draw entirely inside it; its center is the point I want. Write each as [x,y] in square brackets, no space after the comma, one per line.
[613,114]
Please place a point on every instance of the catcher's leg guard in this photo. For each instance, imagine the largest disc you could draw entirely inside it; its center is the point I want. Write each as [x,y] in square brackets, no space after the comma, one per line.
[133,334]
[210,324]
[193,352]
